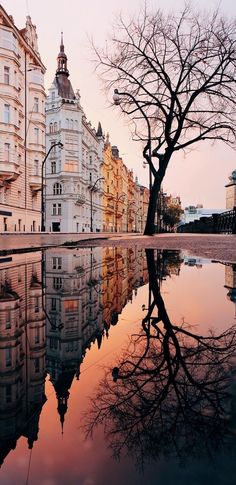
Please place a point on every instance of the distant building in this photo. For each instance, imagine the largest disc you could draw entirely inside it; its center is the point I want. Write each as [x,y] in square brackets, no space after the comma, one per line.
[231,192]
[124,200]
[192,213]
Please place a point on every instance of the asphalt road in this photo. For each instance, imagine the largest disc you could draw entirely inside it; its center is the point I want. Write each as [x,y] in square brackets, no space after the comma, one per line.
[216,247]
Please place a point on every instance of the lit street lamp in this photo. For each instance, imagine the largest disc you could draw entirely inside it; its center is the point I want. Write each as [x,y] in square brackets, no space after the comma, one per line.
[42,184]
[91,202]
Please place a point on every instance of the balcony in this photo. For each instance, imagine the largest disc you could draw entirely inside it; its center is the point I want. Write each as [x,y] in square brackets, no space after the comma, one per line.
[35,182]
[8,170]
[80,199]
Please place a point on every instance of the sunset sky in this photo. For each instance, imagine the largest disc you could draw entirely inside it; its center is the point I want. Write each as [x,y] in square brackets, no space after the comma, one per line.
[198,178]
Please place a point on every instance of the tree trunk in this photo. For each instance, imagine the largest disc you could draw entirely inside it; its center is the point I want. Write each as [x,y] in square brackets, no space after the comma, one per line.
[152,206]
[150,222]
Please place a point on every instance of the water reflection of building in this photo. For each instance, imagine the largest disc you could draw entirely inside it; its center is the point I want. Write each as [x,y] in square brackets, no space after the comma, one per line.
[86,291]
[230,282]
[194,261]
[22,350]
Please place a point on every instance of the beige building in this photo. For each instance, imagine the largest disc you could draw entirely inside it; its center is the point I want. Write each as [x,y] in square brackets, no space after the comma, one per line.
[22,126]
[125,201]
[231,191]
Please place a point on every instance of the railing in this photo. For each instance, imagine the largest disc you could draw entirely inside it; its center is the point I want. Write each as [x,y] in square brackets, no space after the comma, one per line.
[224,223]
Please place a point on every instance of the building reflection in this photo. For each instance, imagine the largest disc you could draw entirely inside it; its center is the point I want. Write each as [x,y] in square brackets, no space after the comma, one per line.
[86,290]
[230,282]
[22,350]
[53,308]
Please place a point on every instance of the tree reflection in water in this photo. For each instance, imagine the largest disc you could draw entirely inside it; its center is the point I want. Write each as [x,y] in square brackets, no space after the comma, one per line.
[170,391]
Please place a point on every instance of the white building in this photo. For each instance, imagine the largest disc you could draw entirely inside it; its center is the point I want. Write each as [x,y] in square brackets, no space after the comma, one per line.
[74,170]
[231,191]
[193,213]
[22,126]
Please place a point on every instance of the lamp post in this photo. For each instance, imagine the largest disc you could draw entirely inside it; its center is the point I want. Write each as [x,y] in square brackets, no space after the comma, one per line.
[116,209]
[117,101]
[91,202]
[42,184]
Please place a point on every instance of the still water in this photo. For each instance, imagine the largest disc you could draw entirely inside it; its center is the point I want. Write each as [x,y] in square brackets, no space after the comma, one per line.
[117,366]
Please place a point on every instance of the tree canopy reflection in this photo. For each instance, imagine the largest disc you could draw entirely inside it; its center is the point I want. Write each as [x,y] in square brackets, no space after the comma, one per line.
[170,392]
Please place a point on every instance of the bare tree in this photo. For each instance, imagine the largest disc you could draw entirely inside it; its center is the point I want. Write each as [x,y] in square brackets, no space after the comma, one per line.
[174,76]
[170,392]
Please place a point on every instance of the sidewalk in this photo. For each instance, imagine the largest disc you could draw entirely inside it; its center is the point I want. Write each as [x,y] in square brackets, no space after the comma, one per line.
[216,247]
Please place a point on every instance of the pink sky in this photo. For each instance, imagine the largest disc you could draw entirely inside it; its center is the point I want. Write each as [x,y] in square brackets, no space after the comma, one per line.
[198,178]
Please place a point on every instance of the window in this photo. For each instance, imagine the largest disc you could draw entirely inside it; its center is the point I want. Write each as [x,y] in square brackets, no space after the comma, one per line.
[36,167]
[50,127]
[53,304]
[8,393]
[53,167]
[6,76]
[57,283]
[7,152]
[8,320]
[56,209]
[6,113]
[36,105]
[36,336]
[36,304]
[8,357]
[56,263]
[55,126]
[53,96]
[8,40]
[36,136]
[57,189]
[7,195]
[90,159]
[36,365]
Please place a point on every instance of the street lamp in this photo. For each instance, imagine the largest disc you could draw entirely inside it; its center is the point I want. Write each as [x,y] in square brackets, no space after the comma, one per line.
[116,209]
[42,184]
[91,202]
[117,101]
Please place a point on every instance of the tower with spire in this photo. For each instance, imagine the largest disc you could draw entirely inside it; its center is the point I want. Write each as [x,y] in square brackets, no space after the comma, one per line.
[71,172]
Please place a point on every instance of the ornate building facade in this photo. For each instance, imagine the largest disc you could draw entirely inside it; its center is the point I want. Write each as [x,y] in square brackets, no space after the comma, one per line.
[73,174]
[22,126]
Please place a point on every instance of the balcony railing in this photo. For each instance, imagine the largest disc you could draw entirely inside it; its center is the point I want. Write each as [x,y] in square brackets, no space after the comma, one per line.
[80,199]
[9,170]
[35,182]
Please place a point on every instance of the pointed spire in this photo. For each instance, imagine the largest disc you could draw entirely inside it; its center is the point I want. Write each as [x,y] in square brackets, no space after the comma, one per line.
[108,139]
[62,43]
[62,60]
[99,131]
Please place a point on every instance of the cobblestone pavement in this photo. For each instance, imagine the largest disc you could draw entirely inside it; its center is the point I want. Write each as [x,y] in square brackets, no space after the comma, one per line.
[216,247]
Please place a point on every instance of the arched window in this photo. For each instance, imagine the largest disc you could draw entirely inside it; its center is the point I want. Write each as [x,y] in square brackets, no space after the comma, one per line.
[57,189]
[71,124]
[55,126]
[51,128]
